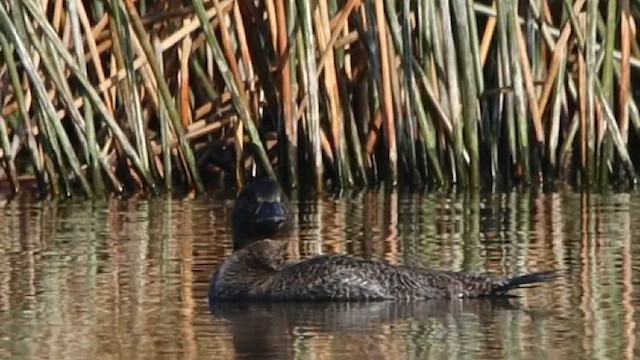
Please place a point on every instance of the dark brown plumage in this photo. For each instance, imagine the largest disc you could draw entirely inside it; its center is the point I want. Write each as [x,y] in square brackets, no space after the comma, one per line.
[259,271]
[261,211]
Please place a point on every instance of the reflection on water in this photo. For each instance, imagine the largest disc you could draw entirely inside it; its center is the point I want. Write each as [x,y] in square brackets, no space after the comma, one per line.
[374,330]
[129,279]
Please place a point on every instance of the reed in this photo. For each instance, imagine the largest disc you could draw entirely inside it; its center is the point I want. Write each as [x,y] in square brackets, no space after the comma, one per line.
[138,96]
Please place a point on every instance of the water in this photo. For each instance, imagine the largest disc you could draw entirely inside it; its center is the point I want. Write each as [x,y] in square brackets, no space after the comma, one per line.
[129,279]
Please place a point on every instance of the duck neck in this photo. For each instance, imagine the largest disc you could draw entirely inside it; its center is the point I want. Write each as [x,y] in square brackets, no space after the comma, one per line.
[270,254]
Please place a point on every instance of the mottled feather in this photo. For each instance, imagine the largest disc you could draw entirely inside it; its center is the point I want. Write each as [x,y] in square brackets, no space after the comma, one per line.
[259,272]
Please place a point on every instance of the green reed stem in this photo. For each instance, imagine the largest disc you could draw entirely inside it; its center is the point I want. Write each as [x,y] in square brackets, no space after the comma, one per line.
[9,156]
[93,149]
[522,123]
[91,92]
[57,168]
[203,78]
[290,124]
[469,89]
[123,43]
[457,116]
[54,68]
[44,102]
[23,113]
[615,132]
[556,109]
[165,125]
[312,87]
[410,101]
[475,47]
[377,88]
[163,88]
[606,148]
[236,96]
[505,79]
[591,70]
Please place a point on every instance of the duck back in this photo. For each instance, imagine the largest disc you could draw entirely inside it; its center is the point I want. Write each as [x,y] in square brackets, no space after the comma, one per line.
[249,275]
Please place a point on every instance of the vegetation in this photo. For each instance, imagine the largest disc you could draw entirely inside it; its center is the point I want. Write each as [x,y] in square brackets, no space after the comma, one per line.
[123,95]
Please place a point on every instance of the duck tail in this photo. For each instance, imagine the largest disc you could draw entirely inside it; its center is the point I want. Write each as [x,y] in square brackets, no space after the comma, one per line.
[524,281]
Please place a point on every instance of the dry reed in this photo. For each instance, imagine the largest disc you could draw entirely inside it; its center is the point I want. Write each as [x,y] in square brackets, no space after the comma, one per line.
[140,95]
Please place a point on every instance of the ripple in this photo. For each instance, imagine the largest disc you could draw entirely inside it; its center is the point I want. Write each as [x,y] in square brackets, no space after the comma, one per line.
[130,278]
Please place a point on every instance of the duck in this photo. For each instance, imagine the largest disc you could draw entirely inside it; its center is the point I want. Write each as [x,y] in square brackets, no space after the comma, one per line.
[258,269]
[261,211]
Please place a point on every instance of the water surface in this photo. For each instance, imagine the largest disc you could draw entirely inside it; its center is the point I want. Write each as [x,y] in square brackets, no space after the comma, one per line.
[129,279]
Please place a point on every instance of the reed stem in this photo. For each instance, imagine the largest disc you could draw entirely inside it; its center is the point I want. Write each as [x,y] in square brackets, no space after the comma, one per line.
[456,92]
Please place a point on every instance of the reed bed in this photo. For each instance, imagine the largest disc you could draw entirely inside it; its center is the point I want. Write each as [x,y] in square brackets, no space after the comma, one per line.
[160,95]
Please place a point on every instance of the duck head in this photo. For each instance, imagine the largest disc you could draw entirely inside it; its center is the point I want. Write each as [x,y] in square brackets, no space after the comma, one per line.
[261,211]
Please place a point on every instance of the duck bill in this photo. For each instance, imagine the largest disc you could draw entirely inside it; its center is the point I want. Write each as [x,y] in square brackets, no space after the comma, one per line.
[270,216]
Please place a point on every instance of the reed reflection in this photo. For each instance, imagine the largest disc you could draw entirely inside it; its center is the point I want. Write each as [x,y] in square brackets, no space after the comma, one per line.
[367,329]
[81,279]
